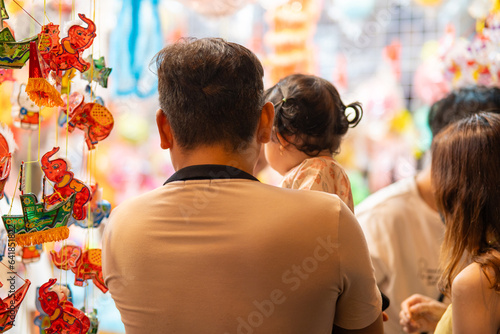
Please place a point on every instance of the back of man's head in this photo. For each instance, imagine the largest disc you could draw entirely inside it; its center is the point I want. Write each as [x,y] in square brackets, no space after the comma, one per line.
[211,92]
[461,103]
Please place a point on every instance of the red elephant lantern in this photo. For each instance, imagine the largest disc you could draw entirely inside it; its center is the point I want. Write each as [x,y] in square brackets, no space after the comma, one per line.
[64,318]
[85,265]
[66,54]
[10,305]
[95,120]
[65,184]
[7,147]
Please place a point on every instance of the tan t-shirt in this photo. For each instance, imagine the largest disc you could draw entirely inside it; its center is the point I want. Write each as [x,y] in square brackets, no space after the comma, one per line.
[404,236]
[238,256]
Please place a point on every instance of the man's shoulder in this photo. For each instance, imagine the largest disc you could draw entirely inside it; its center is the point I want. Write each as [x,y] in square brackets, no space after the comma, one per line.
[297,194]
[137,202]
[395,197]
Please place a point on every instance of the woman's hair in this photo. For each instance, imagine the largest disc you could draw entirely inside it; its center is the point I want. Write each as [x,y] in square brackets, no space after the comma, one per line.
[466,181]
[310,109]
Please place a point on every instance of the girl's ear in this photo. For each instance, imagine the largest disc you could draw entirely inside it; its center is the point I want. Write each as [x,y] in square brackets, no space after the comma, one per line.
[164,129]
[285,142]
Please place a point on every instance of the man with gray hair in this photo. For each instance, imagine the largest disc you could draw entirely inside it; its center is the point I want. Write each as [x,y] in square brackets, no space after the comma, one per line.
[216,251]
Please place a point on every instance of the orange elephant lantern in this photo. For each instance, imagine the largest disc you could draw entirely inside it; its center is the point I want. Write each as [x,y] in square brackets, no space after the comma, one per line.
[65,184]
[66,54]
[95,120]
[85,264]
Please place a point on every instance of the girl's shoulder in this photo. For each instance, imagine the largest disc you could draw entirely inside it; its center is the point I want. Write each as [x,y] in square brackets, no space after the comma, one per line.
[320,162]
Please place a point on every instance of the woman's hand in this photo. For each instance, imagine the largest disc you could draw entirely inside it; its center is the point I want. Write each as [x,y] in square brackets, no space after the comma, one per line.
[420,313]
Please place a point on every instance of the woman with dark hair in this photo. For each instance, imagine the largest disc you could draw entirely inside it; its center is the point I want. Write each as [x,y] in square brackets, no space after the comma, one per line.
[466,180]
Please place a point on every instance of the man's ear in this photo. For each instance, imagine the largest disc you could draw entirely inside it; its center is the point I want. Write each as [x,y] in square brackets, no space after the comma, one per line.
[165,130]
[265,126]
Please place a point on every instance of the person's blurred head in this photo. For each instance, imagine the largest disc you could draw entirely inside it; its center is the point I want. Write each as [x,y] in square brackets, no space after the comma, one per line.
[461,103]
[310,115]
[465,175]
[211,92]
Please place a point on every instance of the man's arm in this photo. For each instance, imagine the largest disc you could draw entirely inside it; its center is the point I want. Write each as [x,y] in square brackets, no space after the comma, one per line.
[359,306]
[374,226]
[375,327]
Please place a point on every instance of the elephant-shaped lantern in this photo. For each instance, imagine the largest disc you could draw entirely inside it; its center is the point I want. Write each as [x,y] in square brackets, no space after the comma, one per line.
[84,264]
[68,53]
[9,306]
[94,119]
[63,291]
[7,147]
[64,318]
[65,184]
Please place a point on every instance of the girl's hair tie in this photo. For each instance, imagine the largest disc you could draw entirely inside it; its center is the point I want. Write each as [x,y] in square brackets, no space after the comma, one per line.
[283,99]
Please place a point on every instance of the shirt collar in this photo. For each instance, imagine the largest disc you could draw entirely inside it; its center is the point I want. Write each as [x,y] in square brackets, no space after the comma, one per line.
[209,172]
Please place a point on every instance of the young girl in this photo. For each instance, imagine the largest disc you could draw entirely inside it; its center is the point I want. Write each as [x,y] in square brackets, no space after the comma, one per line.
[310,120]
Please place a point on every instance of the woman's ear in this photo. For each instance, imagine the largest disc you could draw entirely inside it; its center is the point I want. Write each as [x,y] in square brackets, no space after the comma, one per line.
[164,129]
[265,125]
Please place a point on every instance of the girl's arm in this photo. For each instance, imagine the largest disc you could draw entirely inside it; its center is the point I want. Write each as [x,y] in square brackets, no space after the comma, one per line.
[475,306]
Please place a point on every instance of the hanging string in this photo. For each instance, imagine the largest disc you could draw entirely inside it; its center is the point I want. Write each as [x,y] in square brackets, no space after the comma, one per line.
[15,189]
[89,205]
[28,166]
[100,40]
[92,6]
[38,145]
[67,114]
[3,264]
[60,12]
[57,192]
[29,13]
[57,129]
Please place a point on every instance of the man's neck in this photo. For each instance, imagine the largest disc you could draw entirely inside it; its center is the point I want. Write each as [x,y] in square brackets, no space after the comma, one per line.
[424,186]
[243,159]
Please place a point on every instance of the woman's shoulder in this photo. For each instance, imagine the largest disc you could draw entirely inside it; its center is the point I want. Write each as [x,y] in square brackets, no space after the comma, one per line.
[470,277]
[473,281]
[476,304]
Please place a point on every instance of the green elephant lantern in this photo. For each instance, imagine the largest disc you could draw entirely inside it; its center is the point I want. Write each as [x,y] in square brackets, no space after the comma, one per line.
[84,264]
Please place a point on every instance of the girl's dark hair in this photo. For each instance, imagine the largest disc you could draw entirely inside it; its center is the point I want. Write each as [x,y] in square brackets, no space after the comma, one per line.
[466,178]
[310,108]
